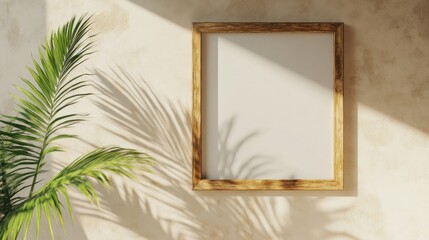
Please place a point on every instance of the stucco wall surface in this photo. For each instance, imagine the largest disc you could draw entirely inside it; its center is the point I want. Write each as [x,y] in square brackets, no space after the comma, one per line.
[142,86]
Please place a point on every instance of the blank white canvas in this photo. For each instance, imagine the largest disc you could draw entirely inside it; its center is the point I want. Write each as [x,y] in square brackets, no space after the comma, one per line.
[268,105]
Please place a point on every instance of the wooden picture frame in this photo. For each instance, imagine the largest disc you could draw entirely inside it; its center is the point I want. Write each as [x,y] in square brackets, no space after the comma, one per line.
[199,181]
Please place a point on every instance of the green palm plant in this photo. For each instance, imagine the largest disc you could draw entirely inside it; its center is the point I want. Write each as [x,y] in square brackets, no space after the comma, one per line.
[29,137]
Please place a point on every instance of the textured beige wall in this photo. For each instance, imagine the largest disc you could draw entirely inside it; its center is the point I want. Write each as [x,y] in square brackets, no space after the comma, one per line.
[143,41]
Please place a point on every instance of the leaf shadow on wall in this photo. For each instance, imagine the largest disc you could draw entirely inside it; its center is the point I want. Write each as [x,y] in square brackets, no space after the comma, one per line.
[226,165]
[163,206]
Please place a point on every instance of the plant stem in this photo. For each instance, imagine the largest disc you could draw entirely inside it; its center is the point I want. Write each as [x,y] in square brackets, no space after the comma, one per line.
[40,159]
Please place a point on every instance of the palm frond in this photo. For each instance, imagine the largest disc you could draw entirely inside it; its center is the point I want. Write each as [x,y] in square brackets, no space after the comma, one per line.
[26,139]
[78,174]
[33,132]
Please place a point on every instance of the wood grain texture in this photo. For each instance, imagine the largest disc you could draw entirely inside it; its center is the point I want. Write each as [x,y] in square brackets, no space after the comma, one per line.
[265,184]
[196,106]
[338,104]
[261,27]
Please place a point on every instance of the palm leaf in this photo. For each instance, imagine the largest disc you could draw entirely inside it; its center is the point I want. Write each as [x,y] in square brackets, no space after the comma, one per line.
[34,129]
[78,174]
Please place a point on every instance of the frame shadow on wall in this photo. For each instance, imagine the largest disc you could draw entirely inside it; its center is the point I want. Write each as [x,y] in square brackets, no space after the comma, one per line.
[350,125]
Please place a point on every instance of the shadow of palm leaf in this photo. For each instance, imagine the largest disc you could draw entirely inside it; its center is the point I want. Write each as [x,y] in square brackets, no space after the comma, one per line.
[163,206]
[228,167]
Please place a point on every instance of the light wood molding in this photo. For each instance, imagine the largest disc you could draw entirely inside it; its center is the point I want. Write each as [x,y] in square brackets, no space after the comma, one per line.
[199,183]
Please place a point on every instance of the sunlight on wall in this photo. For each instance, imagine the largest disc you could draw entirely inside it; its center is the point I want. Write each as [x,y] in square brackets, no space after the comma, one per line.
[399,177]
[146,45]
